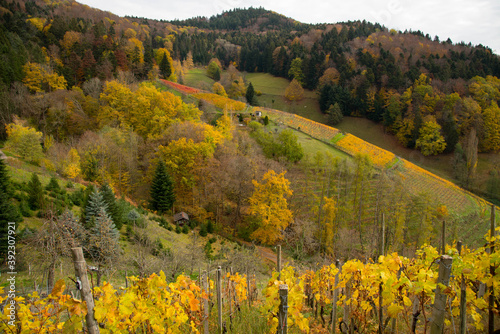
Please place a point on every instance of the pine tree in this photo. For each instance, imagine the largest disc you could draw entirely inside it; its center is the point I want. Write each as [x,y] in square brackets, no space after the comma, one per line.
[8,212]
[104,242]
[35,193]
[95,204]
[162,191]
[250,94]
[165,67]
[112,207]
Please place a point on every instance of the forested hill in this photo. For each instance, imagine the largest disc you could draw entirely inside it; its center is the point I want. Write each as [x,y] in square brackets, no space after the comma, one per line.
[366,69]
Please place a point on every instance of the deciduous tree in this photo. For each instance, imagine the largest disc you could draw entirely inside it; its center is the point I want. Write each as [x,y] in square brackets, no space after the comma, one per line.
[294,91]
[24,141]
[431,142]
[269,203]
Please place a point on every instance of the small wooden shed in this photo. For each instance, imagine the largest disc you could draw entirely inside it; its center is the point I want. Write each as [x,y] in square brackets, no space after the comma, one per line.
[181,218]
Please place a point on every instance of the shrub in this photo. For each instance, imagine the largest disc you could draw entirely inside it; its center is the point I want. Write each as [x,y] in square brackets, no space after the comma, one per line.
[185,229]
[178,229]
[203,230]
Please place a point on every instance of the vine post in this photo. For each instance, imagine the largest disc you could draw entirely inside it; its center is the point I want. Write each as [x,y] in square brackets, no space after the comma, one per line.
[278,262]
[205,302]
[219,298]
[283,309]
[335,298]
[439,307]
[491,299]
[84,287]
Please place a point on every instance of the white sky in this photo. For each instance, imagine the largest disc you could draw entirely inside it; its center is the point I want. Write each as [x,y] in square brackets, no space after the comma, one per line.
[475,21]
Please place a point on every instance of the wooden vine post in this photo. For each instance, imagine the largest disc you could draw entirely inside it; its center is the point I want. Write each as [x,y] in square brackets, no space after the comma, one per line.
[278,262]
[205,303]
[439,307]
[219,298]
[335,298]
[283,309]
[491,299]
[84,287]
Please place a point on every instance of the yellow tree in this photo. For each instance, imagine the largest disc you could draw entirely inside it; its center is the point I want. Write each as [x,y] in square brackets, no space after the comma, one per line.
[25,141]
[430,141]
[269,204]
[294,91]
[40,78]
[491,118]
[328,229]
[72,164]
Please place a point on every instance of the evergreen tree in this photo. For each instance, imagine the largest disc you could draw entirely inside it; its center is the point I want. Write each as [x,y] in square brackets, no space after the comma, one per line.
[335,114]
[165,67]
[112,207]
[8,212]
[250,94]
[95,204]
[35,193]
[162,191]
[104,241]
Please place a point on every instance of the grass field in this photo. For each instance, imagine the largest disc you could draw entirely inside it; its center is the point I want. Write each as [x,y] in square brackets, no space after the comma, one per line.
[197,77]
[273,96]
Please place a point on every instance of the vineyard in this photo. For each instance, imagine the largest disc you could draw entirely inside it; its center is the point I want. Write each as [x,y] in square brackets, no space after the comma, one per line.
[392,294]
[417,179]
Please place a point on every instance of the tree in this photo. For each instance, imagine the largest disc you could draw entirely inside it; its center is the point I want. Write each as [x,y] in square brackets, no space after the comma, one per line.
[165,67]
[162,189]
[38,78]
[491,117]
[431,142]
[95,205]
[295,71]
[218,89]
[24,141]
[8,212]
[294,91]
[104,247]
[35,193]
[112,207]
[214,71]
[335,115]
[289,146]
[55,239]
[250,94]
[269,204]
[72,164]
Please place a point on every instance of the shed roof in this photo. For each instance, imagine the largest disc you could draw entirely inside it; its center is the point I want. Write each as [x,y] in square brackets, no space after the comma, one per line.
[181,216]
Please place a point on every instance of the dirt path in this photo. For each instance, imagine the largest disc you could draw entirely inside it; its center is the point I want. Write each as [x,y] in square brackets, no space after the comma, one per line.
[265,252]
[2,155]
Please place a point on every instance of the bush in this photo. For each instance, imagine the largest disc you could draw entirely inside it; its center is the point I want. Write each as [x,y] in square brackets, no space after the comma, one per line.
[185,229]
[178,229]
[212,240]
[203,230]
[70,185]
[24,209]
[78,197]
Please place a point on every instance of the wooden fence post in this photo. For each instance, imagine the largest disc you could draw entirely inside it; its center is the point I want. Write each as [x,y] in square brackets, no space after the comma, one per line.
[491,299]
[463,297]
[443,238]
[278,253]
[205,302]
[335,298]
[81,276]
[219,298]
[439,307]
[283,309]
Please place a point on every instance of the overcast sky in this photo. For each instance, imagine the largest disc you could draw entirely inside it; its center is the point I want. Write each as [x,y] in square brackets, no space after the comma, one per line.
[475,21]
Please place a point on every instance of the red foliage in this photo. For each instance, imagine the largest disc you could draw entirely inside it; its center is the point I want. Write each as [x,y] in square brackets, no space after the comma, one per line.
[180,88]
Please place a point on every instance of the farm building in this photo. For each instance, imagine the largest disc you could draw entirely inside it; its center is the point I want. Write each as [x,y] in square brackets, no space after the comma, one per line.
[181,218]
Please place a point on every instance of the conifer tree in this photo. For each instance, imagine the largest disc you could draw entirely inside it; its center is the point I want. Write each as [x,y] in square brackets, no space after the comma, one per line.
[8,212]
[35,193]
[162,190]
[165,67]
[250,94]
[104,245]
[95,204]
[112,207]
